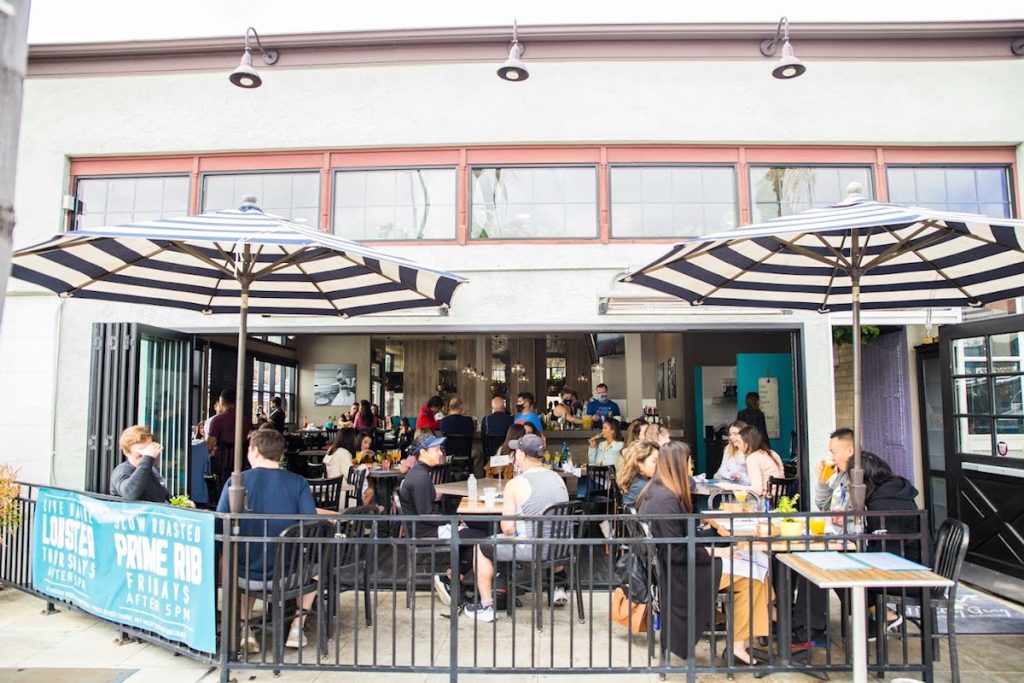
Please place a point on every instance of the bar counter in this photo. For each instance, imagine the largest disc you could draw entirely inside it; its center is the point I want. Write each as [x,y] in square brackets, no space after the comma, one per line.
[577,441]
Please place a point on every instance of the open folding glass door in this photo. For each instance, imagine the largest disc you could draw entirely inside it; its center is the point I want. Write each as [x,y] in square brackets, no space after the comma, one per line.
[139,375]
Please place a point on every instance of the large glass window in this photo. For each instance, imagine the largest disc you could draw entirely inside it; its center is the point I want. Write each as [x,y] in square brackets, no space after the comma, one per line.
[530,203]
[783,190]
[983,190]
[293,195]
[395,204]
[270,379]
[164,403]
[664,201]
[114,201]
[988,386]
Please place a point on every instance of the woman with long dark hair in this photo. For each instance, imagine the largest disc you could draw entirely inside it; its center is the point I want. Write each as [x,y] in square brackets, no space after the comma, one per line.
[605,450]
[668,493]
[762,462]
[365,419]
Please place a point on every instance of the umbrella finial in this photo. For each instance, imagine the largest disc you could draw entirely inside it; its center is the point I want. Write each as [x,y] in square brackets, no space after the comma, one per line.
[854,192]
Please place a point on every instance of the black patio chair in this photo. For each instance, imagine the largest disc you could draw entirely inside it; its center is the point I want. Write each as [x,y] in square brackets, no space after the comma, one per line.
[782,487]
[951,544]
[354,486]
[326,492]
[352,565]
[429,547]
[560,523]
[459,451]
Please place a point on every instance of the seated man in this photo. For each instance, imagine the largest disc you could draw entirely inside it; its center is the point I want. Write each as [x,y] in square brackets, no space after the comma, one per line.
[137,478]
[419,498]
[269,490]
[529,494]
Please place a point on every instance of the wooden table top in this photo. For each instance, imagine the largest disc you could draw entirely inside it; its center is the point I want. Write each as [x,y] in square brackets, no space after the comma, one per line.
[862,578]
[466,507]
[783,544]
[461,488]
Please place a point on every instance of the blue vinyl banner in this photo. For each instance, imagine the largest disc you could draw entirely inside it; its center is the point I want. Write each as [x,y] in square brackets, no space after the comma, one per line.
[142,565]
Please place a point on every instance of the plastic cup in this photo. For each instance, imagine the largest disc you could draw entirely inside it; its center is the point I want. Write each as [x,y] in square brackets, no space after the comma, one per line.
[817,525]
[827,471]
[490,495]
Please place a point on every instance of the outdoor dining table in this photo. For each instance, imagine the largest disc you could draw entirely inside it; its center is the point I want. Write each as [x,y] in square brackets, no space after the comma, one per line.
[858,581]
[385,482]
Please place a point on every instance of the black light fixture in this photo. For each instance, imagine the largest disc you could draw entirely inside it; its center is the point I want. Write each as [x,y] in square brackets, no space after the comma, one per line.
[789,66]
[513,69]
[245,75]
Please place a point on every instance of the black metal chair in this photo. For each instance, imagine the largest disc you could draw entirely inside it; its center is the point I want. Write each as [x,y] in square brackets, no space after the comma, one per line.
[560,523]
[326,492]
[459,451]
[354,486]
[950,550]
[299,569]
[782,487]
[352,567]
[440,474]
[490,444]
[430,547]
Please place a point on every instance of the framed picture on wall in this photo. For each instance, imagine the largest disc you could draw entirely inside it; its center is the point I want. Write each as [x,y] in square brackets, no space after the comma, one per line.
[661,381]
[334,384]
[671,379]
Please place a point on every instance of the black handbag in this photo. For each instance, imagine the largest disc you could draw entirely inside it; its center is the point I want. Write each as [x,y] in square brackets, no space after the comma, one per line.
[633,577]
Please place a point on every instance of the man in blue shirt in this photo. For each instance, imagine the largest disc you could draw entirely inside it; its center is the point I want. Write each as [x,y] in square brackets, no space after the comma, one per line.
[602,406]
[524,406]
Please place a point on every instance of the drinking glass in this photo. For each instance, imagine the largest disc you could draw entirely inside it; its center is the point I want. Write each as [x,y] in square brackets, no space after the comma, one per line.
[817,525]
[490,494]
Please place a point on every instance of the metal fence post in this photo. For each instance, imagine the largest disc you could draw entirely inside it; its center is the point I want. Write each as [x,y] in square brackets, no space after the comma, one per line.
[456,598]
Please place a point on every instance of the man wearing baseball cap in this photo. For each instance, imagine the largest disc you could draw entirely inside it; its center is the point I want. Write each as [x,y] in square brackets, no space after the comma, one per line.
[419,498]
[529,494]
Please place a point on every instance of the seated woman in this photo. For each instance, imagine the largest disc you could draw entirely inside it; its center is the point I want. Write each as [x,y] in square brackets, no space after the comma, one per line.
[606,450]
[669,494]
[639,460]
[364,458]
[762,462]
[338,460]
[403,435]
[636,431]
[515,431]
[734,463]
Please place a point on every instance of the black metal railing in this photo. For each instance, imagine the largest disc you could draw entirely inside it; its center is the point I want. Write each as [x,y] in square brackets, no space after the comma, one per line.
[373,607]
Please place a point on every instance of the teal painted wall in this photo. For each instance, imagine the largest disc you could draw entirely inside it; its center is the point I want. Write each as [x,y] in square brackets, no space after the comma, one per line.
[750,367]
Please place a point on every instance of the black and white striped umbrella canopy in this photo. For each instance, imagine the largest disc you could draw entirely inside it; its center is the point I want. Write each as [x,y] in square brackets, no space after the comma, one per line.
[857,255]
[904,257]
[195,263]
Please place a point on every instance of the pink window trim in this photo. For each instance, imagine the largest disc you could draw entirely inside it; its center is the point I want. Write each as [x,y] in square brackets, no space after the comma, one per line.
[601,156]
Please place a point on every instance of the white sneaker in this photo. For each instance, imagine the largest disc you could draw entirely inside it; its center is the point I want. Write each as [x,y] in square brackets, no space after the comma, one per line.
[443,589]
[560,596]
[249,642]
[479,612]
[296,638]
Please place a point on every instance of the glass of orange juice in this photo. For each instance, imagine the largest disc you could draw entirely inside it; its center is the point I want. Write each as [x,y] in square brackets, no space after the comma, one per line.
[817,525]
[741,496]
[827,470]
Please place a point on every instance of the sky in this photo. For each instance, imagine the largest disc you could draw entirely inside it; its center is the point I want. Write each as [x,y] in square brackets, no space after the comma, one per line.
[71,21]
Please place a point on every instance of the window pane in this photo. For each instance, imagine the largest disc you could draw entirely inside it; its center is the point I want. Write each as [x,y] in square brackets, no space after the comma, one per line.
[395,204]
[953,188]
[1008,395]
[293,195]
[971,395]
[524,203]
[967,350]
[1005,344]
[1010,438]
[974,435]
[665,201]
[784,190]
[114,201]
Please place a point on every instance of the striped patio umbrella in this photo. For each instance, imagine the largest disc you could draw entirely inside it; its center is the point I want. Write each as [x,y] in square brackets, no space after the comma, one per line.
[232,262]
[857,255]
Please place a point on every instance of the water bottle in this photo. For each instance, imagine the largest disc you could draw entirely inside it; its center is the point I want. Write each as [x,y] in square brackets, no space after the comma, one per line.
[565,453]
[472,489]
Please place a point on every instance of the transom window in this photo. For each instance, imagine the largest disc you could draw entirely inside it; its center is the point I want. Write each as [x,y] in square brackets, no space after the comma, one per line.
[528,203]
[114,201]
[395,204]
[983,190]
[293,195]
[664,201]
[782,190]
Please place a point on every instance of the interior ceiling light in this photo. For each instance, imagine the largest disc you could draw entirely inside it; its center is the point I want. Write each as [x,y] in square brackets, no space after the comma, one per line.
[513,69]
[789,66]
[245,76]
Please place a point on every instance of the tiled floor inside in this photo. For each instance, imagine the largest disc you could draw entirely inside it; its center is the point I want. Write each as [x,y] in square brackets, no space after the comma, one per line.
[72,646]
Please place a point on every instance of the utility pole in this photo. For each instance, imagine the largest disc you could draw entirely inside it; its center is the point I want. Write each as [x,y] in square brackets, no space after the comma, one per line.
[13,58]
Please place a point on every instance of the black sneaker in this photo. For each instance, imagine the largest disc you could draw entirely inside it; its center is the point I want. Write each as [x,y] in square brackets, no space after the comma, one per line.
[443,588]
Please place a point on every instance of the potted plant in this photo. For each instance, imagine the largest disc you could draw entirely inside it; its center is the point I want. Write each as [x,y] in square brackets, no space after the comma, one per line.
[10,512]
[789,526]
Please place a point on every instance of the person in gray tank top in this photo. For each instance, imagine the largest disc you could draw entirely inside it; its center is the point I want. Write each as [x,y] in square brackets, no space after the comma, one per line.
[532,492]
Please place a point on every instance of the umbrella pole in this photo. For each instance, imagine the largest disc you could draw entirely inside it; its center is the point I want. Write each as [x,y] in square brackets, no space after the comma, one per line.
[857,488]
[236,494]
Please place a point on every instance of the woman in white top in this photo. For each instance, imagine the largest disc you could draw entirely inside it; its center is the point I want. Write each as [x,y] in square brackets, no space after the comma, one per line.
[734,462]
[606,449]
[338,460]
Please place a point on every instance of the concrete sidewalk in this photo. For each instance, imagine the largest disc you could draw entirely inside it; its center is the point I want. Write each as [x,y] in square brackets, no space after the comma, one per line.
[74,647]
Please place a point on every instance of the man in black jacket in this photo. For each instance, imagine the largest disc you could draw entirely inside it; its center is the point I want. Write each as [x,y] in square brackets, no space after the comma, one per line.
[137,478]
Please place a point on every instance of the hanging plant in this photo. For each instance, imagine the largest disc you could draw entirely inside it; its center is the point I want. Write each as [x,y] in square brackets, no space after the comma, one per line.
[843,334]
